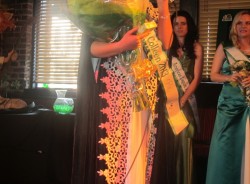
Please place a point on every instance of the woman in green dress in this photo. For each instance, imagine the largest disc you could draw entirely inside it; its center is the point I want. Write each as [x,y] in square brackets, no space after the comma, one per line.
[174,153]
[229,150]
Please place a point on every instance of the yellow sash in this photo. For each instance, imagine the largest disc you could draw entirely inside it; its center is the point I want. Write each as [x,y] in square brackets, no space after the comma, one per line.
[153,49]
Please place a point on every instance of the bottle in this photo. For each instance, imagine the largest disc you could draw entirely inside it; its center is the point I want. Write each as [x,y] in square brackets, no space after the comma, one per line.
[63,105]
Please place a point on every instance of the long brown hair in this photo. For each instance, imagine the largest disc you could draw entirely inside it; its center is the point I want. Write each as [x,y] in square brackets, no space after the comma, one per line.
[190,38]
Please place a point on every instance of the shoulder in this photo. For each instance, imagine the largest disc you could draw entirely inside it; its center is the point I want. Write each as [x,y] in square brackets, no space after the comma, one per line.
[220,47]
[220,53]
[198,45]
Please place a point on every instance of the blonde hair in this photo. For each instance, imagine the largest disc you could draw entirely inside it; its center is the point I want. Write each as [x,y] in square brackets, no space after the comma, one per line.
[233,33]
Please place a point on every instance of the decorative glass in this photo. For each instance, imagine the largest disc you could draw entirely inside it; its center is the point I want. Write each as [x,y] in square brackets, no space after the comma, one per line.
[63,105]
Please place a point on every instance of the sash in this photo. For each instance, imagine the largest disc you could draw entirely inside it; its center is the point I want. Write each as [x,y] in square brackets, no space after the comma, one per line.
[153,49]
[233,54]
[184,83]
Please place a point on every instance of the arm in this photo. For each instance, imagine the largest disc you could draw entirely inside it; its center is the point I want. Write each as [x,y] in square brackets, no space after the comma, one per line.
[103,50]
[216,68]
[8,58]
[164,24]
[198,68]
[1,62]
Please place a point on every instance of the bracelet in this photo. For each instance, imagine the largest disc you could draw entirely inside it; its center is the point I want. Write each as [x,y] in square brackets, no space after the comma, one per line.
[164,17]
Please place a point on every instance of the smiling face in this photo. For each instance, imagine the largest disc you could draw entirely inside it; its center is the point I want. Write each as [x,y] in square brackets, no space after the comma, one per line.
[243,26]
[180,26]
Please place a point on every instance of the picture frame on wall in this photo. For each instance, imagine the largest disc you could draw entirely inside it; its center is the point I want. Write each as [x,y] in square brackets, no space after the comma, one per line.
[225,19]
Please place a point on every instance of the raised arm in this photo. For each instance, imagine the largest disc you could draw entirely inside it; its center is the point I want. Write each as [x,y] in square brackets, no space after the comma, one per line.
[165,32]
[128,42]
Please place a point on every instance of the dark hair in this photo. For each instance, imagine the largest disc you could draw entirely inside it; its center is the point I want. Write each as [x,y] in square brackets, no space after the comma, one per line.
[190,38]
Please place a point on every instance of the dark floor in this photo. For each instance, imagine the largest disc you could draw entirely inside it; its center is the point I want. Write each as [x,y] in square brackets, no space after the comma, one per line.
[200,168]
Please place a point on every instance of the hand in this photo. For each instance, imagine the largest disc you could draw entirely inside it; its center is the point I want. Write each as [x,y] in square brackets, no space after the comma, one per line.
[182,102]
[14,56]
[129,41]
[235,77]
[8,58]
[246,82]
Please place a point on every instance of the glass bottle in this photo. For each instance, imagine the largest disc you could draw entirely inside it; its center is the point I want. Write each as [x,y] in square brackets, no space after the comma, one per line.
[63,105]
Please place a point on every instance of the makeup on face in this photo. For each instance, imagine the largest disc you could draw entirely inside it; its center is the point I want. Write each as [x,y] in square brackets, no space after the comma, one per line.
[180,26]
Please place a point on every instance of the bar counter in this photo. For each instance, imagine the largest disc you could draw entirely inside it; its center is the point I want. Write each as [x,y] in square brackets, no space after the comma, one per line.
[36,147]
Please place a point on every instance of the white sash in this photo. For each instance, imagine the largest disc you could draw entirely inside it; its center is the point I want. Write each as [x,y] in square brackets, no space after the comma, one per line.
[184,83]
[233,54]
